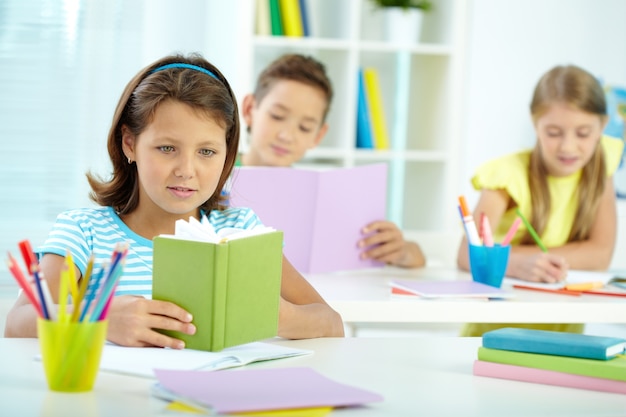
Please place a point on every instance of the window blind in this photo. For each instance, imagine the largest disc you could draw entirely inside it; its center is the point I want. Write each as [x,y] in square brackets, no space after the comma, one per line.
[55,109]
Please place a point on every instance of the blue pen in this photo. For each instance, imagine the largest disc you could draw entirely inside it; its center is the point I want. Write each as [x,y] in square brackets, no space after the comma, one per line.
[38,284]
[463,221]
[109,284]
[91,293]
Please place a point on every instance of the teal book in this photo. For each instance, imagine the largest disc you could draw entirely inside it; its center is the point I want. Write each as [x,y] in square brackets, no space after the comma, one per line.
[614,368]
[364,139]
[232,287]
[554,343]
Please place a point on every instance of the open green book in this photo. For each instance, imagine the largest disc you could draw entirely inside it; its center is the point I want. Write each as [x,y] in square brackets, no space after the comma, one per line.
[230,284]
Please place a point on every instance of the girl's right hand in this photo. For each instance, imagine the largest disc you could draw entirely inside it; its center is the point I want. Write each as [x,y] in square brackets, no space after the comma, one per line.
[542,267]
[132,321]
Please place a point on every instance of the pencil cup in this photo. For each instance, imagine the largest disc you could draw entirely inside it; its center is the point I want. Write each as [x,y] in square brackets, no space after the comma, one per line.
[71,352]
[488,263]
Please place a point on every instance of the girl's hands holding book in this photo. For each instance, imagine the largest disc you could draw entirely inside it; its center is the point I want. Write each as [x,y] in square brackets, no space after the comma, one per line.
[132,321]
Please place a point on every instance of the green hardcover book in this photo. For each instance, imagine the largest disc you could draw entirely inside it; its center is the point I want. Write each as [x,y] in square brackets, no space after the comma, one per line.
[614,368]
[231,288]
[276,19]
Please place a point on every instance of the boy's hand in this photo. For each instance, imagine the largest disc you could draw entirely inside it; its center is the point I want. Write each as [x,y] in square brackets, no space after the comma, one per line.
[386,243]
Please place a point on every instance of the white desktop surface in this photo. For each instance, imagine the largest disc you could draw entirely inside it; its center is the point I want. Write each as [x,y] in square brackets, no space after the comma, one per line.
[417,376]
[364,296]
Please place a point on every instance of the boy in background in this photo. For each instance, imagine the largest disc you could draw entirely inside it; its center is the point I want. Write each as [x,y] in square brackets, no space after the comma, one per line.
[285,117]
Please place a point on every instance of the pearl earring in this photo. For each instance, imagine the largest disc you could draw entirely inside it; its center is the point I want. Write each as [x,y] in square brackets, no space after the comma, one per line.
[130,161]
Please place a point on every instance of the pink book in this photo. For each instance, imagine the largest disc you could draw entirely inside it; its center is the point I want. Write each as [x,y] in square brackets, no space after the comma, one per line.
[250,390]
[542,376]
[320,211]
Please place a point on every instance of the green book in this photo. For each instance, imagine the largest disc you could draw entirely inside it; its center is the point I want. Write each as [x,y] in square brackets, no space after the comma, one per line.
[276,20]
[614,368]
[231,288]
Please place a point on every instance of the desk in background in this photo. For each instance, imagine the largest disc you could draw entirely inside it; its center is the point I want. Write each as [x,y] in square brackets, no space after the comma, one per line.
[364,296]
[416,376]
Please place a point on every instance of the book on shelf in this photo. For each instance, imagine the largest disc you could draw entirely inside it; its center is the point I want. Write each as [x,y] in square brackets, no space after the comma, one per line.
[376,108]
[141,361]
[304,17]
[229,281]
[255,390]
[263,21]
[321,211]
[614,368]
[292,20]
[554,343]
[363,121]
[276,19]
[446,289]
[547,377]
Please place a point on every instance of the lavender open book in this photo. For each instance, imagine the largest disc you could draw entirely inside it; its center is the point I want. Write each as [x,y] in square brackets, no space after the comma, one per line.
[447,289]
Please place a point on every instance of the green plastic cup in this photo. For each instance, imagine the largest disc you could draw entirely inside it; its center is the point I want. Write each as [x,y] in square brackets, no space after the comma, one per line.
[70,352]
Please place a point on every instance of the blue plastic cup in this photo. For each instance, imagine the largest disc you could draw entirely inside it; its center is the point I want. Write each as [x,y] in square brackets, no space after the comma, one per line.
[488,264]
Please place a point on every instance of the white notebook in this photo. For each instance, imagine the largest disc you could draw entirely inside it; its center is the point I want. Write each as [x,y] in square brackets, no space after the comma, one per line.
[141,361]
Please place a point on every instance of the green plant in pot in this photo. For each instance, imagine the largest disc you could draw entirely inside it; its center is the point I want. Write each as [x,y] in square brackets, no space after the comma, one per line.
[424,5]
[402,19]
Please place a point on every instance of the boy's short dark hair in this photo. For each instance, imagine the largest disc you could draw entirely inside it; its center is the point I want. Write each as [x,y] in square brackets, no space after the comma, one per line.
[295,67]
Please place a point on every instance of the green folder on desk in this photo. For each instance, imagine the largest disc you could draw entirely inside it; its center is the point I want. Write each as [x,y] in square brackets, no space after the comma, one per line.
[231,288]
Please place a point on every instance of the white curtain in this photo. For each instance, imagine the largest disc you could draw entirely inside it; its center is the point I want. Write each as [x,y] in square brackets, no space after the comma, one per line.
[63,66]
[60,75]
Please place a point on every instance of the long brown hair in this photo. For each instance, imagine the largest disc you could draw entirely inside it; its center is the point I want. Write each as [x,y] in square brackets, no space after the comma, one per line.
[578,88]
[136,108]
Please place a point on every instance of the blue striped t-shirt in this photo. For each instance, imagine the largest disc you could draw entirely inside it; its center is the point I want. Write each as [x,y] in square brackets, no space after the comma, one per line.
[97,230]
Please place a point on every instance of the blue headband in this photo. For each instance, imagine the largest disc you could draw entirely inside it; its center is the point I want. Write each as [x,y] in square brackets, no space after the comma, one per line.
[183,65]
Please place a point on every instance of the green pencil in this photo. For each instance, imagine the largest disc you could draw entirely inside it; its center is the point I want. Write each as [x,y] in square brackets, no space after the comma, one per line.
[531,231]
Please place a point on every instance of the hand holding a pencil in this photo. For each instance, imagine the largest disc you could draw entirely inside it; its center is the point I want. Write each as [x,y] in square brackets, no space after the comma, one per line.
[539,267]
[542,267]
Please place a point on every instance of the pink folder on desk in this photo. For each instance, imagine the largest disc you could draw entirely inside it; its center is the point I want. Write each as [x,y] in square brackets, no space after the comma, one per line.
[448,289]
[320,211]
[251,390]
[543,376]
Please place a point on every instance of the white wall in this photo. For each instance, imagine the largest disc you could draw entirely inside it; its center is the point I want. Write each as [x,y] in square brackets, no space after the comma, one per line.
[510,45]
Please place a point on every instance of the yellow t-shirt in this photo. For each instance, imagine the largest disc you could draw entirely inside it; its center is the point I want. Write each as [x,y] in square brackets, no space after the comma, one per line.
[510,173]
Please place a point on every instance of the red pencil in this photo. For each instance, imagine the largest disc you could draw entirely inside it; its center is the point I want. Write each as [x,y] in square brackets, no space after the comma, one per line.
[553,290]
[24,284]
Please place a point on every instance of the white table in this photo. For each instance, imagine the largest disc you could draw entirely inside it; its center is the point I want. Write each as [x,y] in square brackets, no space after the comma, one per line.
[364,296]
[416,376]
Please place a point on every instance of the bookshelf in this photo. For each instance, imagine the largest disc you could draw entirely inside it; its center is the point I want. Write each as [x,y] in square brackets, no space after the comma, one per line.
[421,84]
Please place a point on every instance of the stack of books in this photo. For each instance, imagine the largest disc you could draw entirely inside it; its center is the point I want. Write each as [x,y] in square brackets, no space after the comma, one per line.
[573,360]
[282,18]
[371,126]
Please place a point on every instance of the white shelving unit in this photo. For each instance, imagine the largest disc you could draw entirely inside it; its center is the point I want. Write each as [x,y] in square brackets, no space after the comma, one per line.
[422,90]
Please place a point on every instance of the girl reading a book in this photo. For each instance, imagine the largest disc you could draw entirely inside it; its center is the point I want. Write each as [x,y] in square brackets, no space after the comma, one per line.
[286,117]
[564,187]
[172,144]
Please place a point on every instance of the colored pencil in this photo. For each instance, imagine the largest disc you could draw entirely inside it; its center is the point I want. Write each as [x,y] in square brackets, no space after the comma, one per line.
[511,232]
[532,231]
[24,283]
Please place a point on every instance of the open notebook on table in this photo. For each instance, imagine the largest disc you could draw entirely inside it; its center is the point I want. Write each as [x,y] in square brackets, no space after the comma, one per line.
[601,281]
[141,361]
